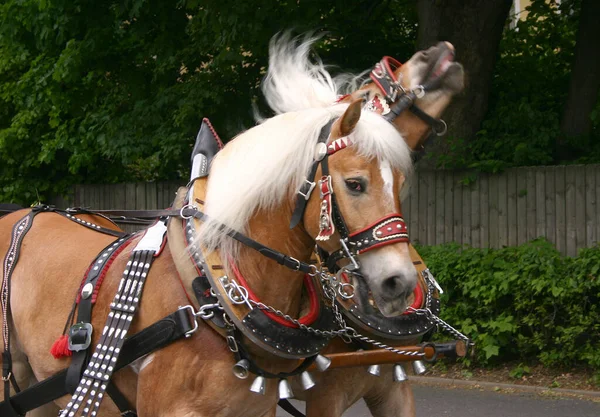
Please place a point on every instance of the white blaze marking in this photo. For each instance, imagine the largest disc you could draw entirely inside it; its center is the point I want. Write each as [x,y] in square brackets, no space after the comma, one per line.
[388,181]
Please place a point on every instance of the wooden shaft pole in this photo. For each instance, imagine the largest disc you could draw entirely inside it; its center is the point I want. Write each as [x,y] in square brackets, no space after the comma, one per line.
[383,356]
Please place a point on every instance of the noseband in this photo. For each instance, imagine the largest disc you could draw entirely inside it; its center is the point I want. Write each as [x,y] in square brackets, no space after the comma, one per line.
[385,231]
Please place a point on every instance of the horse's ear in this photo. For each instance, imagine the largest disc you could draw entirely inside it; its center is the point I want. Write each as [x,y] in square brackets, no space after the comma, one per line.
[350,117]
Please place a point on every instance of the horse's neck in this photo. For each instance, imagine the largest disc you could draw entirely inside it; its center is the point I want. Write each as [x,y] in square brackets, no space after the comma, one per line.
[275,285]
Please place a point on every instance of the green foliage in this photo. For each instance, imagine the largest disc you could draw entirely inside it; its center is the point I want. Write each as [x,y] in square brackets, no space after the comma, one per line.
[528,93]
[520,371]
[109,91]
[522,303]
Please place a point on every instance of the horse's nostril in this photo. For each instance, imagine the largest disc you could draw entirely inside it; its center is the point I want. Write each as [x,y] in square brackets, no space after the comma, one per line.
[393,286]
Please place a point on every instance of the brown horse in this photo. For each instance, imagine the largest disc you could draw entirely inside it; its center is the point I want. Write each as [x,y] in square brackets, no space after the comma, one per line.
[337,389]
[251,189]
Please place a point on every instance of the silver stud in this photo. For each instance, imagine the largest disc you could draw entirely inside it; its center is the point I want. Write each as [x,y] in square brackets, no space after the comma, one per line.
[87,290]
[379,233]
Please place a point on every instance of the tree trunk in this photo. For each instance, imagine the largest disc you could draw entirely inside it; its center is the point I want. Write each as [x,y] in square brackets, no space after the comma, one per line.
[585,77]
[475,28]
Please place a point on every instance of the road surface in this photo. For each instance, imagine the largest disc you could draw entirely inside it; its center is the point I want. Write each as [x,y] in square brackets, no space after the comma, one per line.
[433,401]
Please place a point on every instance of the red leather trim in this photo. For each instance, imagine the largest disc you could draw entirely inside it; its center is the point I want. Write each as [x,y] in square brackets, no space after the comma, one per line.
[375,224]
[308,319]
[388,61]
[103,273]
[418,303]
[214,132]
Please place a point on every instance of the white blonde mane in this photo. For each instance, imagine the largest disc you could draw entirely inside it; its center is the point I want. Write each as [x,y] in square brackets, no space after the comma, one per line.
[268,163]
[294,82]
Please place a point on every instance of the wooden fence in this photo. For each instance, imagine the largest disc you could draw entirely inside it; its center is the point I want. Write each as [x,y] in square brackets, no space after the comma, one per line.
[561,203]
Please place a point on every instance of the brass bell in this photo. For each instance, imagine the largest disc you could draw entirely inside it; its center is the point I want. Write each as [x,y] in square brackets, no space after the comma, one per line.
[285,391]
[419,367]
[399,373]
[259,385]
[374,370]
[240,369]
[322,362]
[307,381]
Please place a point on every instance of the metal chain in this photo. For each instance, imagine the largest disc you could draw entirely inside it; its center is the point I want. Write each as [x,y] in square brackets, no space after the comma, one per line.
[330,284]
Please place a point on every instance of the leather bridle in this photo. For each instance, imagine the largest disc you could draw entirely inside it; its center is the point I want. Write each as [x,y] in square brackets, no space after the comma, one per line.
[385,231]
[399,98]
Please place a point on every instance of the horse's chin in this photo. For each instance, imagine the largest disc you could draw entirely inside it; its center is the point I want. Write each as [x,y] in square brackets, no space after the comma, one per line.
[392,308]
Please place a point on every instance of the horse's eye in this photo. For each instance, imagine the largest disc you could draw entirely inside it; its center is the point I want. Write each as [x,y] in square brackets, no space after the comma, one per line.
[355,185]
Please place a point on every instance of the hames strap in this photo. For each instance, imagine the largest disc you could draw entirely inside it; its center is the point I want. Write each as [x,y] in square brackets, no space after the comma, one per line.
[156,336]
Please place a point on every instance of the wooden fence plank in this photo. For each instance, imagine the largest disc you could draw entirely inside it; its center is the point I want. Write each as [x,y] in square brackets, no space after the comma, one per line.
[550,204]
[571,212]
[130,196]
[580,204]
[530,204]
[591,207]
[540,203]
[511,206]
[561,219]
[457,220]
[414,207]
[431,218]
[448,207]
[493,210]
[521,206]
[502,211]
[119,193]
[475,226]
[484,211]
[440,207]
[422,223]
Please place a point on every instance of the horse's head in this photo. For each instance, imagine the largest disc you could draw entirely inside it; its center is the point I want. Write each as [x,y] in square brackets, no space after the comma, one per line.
[356,206]
[426,82]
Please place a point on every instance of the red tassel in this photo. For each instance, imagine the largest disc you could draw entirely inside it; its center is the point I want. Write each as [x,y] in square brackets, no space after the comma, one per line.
[60,348]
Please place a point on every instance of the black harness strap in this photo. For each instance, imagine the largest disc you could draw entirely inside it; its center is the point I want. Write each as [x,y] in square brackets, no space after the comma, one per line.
[80,332]
[187,212]
[309,184]
[289,408]
[154,337]
[19,231]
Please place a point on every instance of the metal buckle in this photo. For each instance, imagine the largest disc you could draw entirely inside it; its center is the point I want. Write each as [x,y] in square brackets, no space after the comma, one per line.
[298,263]
[187,206]
[419,91]
[193,313]
[311,187]
[76,347]
[355,266]
[232,343]
[444,129]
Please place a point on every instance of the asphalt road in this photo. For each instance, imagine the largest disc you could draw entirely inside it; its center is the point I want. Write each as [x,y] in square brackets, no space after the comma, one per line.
[460,402]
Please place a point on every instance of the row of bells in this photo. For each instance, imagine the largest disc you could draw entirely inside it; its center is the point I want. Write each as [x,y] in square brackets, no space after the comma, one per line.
[241,370]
